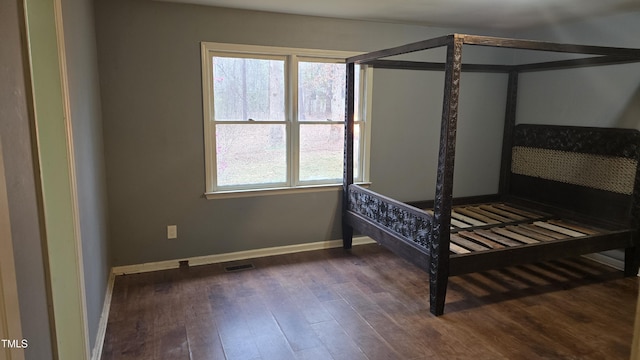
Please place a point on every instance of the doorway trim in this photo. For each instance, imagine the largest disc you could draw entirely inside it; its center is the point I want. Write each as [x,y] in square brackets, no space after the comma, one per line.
[10,325]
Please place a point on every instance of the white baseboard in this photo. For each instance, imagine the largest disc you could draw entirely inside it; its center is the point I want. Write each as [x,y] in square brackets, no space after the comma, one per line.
[280,250]
[96,354]
[234,256]
[606,260]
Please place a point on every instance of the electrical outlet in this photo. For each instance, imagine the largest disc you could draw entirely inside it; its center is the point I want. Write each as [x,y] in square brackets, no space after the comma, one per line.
[172,232]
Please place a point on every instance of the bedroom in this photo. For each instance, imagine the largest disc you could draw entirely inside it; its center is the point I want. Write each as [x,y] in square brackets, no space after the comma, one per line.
[153,132]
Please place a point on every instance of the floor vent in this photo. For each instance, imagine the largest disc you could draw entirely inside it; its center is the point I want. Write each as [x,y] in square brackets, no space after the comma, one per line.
[239,267]
[183,264]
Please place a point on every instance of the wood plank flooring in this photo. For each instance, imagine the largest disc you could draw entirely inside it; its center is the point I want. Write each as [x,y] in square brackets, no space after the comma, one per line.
[370,304]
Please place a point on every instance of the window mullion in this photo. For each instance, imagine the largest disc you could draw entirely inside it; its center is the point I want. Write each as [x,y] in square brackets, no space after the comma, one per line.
[294,134]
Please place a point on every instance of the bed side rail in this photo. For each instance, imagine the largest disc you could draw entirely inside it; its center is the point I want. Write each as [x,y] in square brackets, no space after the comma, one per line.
[591,171]
[404,221]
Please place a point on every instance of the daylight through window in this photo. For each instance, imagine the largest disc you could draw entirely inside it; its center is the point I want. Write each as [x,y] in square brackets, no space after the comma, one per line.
[274,117]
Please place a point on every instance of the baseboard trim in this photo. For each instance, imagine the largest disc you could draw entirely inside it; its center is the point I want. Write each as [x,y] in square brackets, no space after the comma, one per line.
[280,250]
[606,260]
[234,256]
[104,319]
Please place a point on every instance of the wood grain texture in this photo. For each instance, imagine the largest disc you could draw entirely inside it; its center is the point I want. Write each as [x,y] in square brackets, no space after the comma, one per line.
[347,170]
[367,303]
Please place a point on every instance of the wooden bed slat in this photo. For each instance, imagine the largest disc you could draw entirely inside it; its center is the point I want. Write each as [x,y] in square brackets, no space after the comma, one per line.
[559,229]
[575,227]
[455,223]
[489,214]
[498,238]
[467,243]
[475,215]
[478,238]
[518,211]
[529,233]
[544,231]
[459,224]
[467,219]
[510,215]
[457,249]
[514,236]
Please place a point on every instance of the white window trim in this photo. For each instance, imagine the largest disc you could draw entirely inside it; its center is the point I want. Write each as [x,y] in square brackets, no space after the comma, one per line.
[277,191]
[209,49]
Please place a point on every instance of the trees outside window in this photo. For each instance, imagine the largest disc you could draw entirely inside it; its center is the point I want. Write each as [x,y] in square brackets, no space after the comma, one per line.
[274,117]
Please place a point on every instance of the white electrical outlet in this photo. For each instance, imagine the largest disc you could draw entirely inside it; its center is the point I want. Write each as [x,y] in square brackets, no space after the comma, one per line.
[172,232]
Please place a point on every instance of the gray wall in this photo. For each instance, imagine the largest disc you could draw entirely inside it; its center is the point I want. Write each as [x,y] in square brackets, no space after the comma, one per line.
[598,96]
[149,59]
[15,130]
[406,133]
[82,68]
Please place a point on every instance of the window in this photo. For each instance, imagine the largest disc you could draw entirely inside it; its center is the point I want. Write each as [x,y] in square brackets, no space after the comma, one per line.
[274,119]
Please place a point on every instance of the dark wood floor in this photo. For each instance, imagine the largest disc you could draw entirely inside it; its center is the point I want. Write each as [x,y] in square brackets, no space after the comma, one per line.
[370,304]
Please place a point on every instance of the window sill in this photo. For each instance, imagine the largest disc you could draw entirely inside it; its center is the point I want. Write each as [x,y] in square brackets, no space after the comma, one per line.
[276,191]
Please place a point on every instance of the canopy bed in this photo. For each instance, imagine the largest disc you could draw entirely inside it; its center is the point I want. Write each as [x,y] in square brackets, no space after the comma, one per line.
[563,191]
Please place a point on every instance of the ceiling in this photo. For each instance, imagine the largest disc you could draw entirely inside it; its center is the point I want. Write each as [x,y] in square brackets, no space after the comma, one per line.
[495,14]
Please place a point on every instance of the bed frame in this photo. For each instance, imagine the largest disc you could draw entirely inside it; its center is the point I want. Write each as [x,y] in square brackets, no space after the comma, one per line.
[563,190]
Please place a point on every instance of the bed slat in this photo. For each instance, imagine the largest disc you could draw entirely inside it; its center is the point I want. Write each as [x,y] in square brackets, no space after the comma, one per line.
[544,231]
[529,233]
[467,243]
[475,215]
[524,213]
[496,210]
[558,229]
[485,241]
[455,223]
[459,224]
[457,249]
[489,214]
[575,227]
[467,219]
[498,238]
[514,236]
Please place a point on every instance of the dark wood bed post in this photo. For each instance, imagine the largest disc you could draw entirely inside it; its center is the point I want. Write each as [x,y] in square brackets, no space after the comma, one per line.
[507,137]
[347,230]
[632,254]
[439,266]
[632,259]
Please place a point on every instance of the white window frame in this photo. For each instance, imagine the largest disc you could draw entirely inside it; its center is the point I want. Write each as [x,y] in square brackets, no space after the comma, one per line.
[293,56]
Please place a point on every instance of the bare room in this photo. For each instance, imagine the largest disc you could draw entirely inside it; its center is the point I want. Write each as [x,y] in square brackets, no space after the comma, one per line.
[217,179]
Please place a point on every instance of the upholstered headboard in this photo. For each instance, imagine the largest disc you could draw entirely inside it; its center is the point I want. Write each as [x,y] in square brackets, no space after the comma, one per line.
[592,171]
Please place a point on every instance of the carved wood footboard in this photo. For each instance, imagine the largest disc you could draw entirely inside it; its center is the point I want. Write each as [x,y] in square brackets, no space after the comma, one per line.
[402,228]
